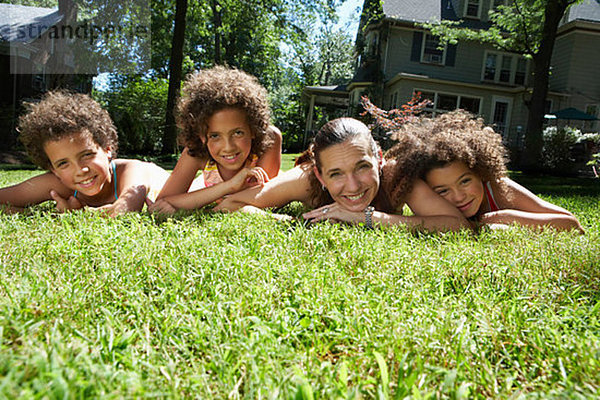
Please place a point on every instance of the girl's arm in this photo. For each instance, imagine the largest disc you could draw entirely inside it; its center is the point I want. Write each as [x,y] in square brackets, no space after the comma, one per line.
[521,206]
[32,191]
[183,175]
[293,185]
[432,213]
[270,161]
[201,197]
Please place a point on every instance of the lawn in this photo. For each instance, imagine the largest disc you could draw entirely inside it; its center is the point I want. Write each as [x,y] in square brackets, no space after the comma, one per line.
[240,306]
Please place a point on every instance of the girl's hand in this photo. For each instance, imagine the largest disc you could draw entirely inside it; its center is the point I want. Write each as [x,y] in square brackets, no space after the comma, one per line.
[160,206]
[63,204]
[248,177]
[336,213]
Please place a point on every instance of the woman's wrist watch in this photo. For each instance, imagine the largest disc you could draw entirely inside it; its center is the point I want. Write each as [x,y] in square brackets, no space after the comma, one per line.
[369,217]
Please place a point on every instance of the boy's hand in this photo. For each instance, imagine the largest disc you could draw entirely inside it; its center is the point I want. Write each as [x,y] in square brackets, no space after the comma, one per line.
[63,204]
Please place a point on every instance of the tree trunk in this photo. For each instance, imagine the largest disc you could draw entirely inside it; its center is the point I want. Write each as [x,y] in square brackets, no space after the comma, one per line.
[217,23]
[541,63]
[175,66]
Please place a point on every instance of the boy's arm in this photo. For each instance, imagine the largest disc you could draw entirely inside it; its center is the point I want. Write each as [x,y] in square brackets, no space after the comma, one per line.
[135,180]
[521,206]
[270,161]
[183,175]
[32,191]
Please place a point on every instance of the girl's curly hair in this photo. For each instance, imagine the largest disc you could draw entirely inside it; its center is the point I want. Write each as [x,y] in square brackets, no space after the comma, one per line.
[60,114]
[215,89]
[432,143]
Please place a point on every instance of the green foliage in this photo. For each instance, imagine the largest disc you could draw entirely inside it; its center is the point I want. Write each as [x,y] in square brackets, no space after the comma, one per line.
[137,106]
[515,27]
[241,306]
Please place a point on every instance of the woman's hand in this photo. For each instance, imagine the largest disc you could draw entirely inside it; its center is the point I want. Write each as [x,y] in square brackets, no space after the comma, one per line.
[336,213]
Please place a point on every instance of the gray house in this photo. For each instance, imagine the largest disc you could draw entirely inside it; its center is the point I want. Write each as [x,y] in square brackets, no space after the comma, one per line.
[30,58]
[399,58]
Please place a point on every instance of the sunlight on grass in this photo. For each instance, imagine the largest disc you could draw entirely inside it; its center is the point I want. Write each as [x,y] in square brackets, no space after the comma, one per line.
[241,306]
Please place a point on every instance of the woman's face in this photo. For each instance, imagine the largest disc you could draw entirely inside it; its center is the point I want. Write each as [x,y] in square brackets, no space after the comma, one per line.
[350,173]
[459,185]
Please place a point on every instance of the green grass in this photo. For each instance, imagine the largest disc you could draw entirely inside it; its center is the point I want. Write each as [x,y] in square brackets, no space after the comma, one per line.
[240,306]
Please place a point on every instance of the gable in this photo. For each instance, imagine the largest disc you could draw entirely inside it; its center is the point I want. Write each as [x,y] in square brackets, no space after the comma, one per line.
[16,22]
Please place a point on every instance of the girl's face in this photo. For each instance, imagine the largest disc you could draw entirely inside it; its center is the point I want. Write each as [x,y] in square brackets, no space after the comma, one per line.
[459,185]
[229,140]
[80,164]
[350,173]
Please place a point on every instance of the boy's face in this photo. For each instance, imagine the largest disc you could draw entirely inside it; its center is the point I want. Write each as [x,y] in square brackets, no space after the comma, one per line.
[229,140]
[459,185]
[80,164]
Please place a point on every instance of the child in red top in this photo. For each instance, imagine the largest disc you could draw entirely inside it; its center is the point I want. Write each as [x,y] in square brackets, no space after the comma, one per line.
[465,162]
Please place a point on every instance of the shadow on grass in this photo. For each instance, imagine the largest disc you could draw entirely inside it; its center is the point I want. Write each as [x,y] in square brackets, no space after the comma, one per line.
[558,186]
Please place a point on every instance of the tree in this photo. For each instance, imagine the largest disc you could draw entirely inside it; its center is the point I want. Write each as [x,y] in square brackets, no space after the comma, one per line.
[528,27]
[175,69]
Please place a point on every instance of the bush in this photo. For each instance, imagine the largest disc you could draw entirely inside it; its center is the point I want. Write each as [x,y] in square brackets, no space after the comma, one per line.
[138,107]
[557,155]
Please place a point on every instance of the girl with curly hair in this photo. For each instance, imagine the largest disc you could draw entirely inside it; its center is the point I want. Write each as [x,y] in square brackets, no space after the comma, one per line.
[224,121]
[340,177]
[464,162]
[73,138]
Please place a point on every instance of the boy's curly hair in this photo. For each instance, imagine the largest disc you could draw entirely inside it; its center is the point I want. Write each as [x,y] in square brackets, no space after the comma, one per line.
[60,114]
[212,90]
[432,143]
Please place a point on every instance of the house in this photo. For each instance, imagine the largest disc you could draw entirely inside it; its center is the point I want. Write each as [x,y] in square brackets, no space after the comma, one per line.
[31,60]
[398,57]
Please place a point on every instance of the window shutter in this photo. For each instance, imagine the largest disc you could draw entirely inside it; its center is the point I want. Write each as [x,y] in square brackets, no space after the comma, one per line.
[450,55]
[415,54]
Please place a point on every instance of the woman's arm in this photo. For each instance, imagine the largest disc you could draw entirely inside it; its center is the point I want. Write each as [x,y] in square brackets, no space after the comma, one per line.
[183,175]
[432,213]
[293,185]
[521,206]
[270,161]
[32,191]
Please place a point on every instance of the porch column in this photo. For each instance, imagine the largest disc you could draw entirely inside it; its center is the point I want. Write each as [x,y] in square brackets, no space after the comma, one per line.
[309,119]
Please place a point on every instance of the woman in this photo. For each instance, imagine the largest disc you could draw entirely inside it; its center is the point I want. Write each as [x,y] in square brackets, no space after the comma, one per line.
[339,177]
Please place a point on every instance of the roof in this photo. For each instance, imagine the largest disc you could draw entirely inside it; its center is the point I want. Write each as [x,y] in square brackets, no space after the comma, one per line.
[422,11]
[587,10]
[25,24]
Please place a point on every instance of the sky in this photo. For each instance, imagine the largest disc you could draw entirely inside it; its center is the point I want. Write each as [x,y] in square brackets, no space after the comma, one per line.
[349,13]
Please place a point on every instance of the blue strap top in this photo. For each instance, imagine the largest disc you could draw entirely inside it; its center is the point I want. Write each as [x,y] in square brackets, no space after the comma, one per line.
[114,170]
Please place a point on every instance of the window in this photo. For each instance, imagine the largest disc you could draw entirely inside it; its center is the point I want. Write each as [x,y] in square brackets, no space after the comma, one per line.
[472,8]
[504,68]
[489,72]
[430,53]
[443,102]
[521,71]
